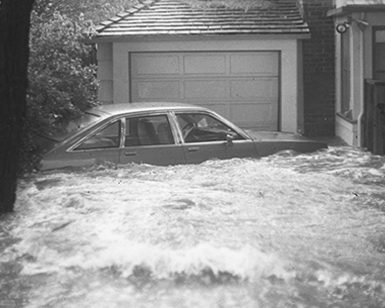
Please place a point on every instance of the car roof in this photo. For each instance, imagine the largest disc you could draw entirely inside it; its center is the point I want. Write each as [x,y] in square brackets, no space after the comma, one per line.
[116,109]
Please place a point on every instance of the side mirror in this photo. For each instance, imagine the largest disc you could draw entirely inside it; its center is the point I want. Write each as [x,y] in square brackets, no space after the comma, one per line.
[229,140]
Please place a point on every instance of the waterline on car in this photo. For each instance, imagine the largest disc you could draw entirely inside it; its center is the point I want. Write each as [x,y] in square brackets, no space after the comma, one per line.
[283,231]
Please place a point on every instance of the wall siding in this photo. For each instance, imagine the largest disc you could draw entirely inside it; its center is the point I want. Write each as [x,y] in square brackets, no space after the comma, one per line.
[105,73]
[319,69]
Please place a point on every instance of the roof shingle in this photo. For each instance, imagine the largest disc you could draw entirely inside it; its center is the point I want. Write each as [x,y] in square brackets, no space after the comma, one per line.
[177,17]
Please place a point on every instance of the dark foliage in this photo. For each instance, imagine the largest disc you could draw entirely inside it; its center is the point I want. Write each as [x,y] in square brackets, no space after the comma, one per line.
[62,67]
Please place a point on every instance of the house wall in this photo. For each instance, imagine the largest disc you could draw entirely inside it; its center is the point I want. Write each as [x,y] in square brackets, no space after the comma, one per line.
[346,127]
[361,67]
[105,73]
[319,69]
[117,89]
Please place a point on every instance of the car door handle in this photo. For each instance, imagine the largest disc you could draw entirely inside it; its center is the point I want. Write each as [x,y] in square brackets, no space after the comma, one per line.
[193,149]
[130,153]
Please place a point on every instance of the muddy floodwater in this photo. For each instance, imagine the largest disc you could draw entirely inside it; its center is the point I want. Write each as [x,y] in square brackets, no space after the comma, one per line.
[285,231]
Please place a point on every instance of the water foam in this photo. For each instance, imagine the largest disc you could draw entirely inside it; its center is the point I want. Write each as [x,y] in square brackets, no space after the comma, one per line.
[283,231]
[132,259]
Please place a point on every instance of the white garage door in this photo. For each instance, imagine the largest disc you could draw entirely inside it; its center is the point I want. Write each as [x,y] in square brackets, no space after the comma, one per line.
[241,86]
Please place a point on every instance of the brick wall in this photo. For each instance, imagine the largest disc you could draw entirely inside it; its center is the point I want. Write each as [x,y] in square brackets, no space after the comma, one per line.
[319,69]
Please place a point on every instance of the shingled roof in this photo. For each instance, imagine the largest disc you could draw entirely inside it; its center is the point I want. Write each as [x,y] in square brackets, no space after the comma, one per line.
[189,17]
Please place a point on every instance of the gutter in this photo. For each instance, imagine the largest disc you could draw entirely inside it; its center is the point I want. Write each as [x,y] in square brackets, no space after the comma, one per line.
[362,105]
[176,37]
[348,9]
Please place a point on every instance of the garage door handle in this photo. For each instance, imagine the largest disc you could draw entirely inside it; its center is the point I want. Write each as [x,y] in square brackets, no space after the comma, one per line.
[130,153]
[193,149]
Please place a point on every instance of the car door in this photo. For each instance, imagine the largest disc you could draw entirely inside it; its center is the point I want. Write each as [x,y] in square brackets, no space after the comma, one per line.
[242,148]
[207,137]
[150,139]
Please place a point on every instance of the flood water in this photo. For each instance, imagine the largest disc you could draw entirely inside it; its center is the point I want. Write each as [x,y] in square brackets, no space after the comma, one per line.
[287,231]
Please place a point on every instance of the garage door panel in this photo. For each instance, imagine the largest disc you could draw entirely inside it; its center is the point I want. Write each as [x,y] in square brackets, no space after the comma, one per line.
[241,86]
[204,64]
[261,115]
[205,89]
[258,88]
[156,90]
[150,65]
[259,64]
[221,108]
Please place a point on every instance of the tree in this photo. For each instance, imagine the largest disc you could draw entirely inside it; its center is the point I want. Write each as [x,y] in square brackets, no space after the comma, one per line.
[14,51]
[94,10]
[62,78]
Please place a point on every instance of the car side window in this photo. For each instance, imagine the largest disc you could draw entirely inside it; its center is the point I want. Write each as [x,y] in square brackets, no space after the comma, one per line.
[108,137]
[199,127]
[148,130]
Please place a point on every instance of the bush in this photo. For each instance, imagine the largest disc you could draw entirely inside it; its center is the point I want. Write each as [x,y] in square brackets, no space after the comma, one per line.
[62,77]
[62,66]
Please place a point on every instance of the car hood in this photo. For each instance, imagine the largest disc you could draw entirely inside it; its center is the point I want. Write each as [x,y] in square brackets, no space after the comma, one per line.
[274,136]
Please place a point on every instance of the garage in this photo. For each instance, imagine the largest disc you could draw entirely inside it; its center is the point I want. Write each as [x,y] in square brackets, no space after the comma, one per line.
[242,86]
[243,62]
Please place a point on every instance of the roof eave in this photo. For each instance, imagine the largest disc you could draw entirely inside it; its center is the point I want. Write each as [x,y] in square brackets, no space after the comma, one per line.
[240,36]
[348,9]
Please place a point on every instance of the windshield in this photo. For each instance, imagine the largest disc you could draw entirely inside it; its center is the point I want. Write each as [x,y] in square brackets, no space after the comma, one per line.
[73,126]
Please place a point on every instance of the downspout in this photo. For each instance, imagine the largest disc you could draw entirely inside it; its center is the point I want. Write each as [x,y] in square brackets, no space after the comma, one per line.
[362,105]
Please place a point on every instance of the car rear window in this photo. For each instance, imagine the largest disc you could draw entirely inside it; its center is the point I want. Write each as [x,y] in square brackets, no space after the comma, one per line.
[73,126]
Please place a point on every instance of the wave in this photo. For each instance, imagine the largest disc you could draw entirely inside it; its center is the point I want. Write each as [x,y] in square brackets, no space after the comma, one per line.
[139,261]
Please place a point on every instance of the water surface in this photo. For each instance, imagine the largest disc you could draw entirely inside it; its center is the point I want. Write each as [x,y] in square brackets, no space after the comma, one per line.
[284,231]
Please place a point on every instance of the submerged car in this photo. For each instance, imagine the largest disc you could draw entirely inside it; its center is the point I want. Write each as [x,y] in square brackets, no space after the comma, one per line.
[160,134]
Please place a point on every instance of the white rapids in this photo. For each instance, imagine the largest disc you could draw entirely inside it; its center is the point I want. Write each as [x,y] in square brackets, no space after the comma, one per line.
[284,231]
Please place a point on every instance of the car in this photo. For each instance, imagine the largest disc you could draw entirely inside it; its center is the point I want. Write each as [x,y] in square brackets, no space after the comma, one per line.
[160,134]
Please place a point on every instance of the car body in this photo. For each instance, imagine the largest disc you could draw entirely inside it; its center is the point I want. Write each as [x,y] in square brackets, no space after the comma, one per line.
[160,134]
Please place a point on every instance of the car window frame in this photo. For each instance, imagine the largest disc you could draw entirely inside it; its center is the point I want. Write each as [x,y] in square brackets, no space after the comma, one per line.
[174,125]
[92,132]
[214,115]
[169,119]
